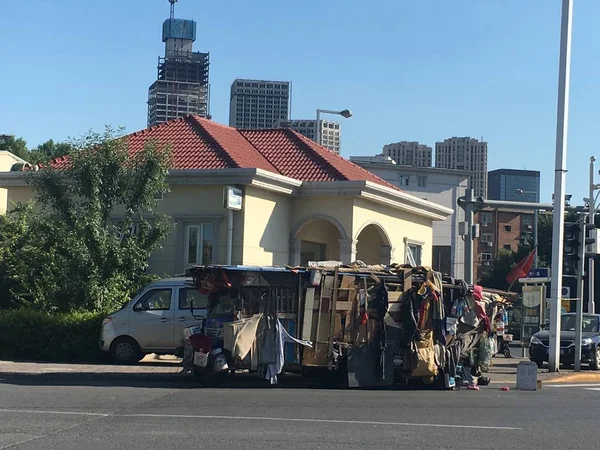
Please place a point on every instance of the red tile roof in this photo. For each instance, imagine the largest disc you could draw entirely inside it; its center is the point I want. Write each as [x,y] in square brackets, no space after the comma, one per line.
[198,143]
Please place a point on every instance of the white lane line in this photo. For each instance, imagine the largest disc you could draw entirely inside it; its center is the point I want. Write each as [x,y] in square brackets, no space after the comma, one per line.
[268,419]
[67,413]
[593,389]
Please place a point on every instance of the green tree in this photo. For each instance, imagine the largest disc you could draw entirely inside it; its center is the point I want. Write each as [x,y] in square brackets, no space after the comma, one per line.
[17,147]
[50,149]
[66,251]
[501,266]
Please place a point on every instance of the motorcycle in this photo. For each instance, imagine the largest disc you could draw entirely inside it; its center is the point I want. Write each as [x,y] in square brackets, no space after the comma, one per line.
[201,356]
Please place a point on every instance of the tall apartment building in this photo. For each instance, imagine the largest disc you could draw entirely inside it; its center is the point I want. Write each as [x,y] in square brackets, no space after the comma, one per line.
[499,229]
[256,104]
[181,87]
[408,153]
[465,153]
[330,131]
[514,185]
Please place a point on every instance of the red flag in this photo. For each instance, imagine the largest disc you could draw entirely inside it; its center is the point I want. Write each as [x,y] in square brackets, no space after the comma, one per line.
[521,269]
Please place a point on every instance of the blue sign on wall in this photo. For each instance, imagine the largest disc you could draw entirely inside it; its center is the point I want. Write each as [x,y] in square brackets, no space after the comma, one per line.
[538,273]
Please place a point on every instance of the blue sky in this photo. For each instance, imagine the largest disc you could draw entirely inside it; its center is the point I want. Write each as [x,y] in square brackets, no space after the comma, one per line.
[409,69]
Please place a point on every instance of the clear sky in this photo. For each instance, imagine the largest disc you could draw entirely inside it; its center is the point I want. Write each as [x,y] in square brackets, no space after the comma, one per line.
[419,70]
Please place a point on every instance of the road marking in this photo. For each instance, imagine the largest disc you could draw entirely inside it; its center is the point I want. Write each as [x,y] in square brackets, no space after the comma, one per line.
[583,385]
[267,419]
[68,413]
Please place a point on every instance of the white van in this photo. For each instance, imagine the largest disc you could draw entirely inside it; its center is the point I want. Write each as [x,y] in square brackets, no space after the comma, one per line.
[153,321]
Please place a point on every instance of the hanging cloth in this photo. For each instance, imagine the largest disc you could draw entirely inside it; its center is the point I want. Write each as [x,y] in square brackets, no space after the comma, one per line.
[281,337]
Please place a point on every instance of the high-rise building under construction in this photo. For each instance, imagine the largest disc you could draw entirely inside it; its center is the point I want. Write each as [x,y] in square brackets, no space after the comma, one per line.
[181,87]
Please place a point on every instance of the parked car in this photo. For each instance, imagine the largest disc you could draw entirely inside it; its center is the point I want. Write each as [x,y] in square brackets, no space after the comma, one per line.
[590,343]
[153,321]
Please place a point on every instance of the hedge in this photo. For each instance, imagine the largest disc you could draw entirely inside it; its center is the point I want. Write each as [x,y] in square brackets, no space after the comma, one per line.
[30,335]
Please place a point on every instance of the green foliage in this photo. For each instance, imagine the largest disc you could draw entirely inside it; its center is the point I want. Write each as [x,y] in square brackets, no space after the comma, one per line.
[545,240]
[501,266]
[65,251]
[17,147]
[50,149]
[30,334]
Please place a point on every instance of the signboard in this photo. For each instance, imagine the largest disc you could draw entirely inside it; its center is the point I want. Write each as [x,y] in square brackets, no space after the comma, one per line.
[232,198]
[539,272]
[531,312]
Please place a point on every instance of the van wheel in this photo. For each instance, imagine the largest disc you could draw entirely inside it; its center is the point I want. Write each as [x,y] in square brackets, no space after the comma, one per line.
[125,350]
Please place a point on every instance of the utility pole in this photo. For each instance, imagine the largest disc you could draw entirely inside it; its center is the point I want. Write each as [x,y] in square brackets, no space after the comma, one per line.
[591,219]
[579,304]
[469,218]
[560,169]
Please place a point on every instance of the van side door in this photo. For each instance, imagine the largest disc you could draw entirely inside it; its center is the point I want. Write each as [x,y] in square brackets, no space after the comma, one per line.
[183,316]
[152,319]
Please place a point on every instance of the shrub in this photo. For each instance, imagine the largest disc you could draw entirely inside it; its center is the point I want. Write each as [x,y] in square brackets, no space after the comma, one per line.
[27,334]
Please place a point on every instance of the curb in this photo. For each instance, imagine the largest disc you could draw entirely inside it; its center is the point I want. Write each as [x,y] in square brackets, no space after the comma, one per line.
[576,377]
[47,377]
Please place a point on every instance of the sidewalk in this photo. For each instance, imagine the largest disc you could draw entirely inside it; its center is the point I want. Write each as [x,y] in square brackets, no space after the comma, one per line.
[151,369]
[167,369]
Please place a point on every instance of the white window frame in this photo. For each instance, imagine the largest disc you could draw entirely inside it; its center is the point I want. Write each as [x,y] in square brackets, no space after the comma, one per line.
[487,237]
[486,215]
[200,246]
[409,257]
[422,181]
[488,257]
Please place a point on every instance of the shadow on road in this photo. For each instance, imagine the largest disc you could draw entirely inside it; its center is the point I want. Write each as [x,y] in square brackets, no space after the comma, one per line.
[187,381]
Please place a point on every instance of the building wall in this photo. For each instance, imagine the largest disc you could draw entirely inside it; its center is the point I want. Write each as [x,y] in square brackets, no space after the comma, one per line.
[194,205]
[514,185]
[465,153]
[443,188]
[266,227]
[409,153]
[7,160]
[331,132]
[398,226]
[506,229]
[258,104]
[269,223]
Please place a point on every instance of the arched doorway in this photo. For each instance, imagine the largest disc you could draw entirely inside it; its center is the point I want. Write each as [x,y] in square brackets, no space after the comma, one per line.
[373,245]
[316,239]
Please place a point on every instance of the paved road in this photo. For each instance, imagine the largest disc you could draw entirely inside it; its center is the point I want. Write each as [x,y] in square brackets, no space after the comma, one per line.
[184,417]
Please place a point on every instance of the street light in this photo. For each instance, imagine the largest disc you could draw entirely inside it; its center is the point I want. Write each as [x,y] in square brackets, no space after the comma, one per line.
[346,113]
[536,218]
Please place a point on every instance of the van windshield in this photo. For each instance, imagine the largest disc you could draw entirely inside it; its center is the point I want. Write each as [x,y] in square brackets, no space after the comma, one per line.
[220,305]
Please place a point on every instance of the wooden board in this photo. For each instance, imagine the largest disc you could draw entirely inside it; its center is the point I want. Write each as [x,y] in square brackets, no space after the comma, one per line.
[332,319]
[307,322]
[346,286]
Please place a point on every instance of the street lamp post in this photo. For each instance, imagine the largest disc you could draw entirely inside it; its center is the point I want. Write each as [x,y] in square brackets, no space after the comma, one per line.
[560,169]
[346,113]
[536,219]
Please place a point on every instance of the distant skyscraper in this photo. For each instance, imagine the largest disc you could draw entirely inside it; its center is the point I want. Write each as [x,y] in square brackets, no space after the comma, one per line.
[258,104]
[465,153]
[514,185]
[181,87]
[409,153]
[330,131]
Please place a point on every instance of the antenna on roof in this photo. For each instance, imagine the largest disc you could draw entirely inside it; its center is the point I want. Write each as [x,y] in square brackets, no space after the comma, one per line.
[172,2]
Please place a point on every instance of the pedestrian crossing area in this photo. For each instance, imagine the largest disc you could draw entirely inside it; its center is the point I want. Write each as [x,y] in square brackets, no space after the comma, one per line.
[581,386]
